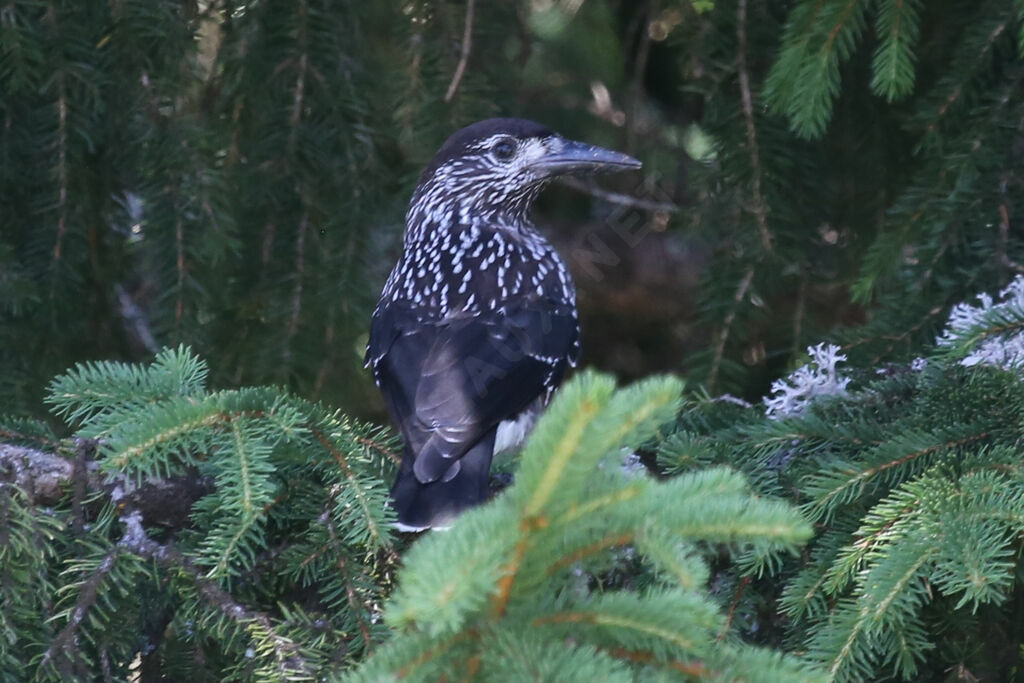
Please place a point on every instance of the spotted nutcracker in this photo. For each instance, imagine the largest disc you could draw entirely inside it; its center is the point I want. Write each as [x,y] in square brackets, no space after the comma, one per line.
[477,323]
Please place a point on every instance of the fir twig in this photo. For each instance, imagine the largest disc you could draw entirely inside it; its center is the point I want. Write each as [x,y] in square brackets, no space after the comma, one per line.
[350,594]
[760,207]
[63,650]
[84,449]
[300,273]
[464,51]
[62,167]
[954,96]
[723,334]
[135,539]
[379,536]
[595,190]
[636,83]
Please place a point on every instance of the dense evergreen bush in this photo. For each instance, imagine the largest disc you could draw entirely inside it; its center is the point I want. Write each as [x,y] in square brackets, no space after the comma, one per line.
[230,177]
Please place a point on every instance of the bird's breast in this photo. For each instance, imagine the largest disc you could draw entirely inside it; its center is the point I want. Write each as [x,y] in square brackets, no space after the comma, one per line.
[479,268]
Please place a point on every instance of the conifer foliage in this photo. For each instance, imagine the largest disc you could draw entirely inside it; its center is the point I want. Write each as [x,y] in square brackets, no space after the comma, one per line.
[232,176]
[273,573]
[914,481]
[513,592]
[281,567]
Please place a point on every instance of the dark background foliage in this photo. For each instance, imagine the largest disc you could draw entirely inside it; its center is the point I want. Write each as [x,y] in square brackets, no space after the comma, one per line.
[234,175]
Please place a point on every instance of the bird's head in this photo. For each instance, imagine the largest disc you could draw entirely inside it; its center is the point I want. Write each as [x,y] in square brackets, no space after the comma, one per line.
[497,167]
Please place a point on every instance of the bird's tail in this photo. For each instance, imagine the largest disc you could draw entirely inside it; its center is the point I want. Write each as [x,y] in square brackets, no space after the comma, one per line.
[424,506]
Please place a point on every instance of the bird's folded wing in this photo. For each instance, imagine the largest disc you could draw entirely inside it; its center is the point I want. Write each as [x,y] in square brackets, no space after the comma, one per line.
[452,381]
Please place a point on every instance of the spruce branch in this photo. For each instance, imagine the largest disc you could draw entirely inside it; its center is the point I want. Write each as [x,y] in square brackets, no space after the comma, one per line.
[831,489]
[250,469]
[350,594]
[503,574]
[913,478]
[970,60]
[693,669]
[377,536]
[46,478]
[287,654]
[804,81]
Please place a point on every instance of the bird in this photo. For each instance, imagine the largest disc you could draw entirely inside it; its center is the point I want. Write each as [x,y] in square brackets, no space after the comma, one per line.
[477,323]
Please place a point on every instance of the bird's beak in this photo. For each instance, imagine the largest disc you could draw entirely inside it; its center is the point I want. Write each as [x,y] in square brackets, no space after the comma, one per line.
[568,157]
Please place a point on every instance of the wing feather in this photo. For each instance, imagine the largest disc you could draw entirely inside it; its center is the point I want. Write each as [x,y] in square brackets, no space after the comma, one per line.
[449,383]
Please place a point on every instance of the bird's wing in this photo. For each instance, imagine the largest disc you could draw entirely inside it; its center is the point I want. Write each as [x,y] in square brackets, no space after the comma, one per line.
[449,382]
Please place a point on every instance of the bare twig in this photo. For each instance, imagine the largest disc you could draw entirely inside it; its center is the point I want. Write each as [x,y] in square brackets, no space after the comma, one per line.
[636,86]
[62,167]
[732,608]
[723,337]
[735,400]
[299,96]
[300,272]
[595,190]
[467,44]
[179,242]
[42,476]
[84,450]
[760,208]
[798,314]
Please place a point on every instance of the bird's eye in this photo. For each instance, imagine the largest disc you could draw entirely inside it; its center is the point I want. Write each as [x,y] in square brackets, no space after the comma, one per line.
[504,149]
